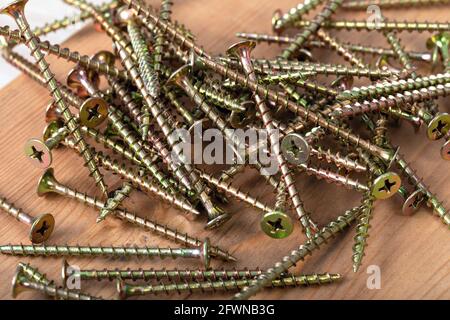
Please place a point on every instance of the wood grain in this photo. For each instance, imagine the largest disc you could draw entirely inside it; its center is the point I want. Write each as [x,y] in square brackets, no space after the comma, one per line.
[412,252]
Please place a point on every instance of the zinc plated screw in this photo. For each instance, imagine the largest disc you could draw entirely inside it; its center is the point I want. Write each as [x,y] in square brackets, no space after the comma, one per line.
[41,226]
[281,21]
[113,202]
[242,50]
[391,3]
[445,149]
[340,161]
[277,224]
[307,115]
[364,49]
[33,274]
[158,275]
[399,51]
[164,15]
[21,283]
[392,86]
[380,26]
[362,232]
[201,253]
[127,290]
[320,238]
[309,30]
[16,10]
[48,184]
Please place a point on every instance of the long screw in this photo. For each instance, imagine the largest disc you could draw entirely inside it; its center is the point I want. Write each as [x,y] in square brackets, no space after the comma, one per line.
[380,26]
[362,232]
[242,51]
[320,238]
[33,274]
[16,11]
[21,283]
[128,290]
[365,49]
[41,226]
[48,184]
[201,253]
[164,15]
[391,3]
[158,275]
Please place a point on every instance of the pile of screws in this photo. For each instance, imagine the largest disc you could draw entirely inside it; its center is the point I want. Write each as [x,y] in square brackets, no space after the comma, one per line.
[167,83]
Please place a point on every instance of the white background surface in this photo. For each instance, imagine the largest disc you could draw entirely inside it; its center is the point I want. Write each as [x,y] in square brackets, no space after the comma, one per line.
[38,13]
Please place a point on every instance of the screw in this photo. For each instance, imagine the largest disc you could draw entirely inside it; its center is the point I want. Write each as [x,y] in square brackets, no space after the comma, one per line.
[445,149]
[41,226]
[152,274]
[48,184]
[16,10]
[393,86]
[127,290]
[115,201]
[277,224]
[323,236]
[315,24]
[420,56]
[242,51]
[395,44]
[440,45]
[281,21]
[201,253]
[380,26]
[390,3]
[362,232]
[20,283]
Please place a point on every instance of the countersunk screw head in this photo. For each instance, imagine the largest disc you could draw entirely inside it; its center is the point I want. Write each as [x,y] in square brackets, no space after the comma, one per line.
[206,256]
[46,182]
[445,150]
[277,224]
[438,126]
[295,148]
[74,82]
[243,119]
[51,128]
[12,6]
[16,284]
[39,154]
[93,111]
[413,202]
[51,113]
[177,76]
[220,218]
[121,289]
[246,45]
[42,228]
[64,274]
[386,185]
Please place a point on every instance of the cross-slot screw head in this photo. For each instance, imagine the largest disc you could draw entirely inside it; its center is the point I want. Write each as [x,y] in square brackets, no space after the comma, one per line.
[93,111]
[46,182]
[277,224]
[386,185]
[38,153]
[73,82]
[438,126]
[413,202]
[295,148]
[16,284]
[42,228]
[445,150]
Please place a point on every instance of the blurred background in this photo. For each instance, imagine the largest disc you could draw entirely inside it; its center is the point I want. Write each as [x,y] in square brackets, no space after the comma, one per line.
[38,13]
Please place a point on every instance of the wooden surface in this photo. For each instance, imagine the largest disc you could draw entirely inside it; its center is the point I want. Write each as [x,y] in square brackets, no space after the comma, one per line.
[412,252]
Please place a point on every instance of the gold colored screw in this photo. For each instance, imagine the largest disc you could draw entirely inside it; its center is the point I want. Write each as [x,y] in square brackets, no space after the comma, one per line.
[41,226]
[115,201]
[16,10]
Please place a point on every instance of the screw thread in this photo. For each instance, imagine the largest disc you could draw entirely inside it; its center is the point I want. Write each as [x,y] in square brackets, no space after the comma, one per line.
[33,274]
[295,14]
[308,31]
[115,201]
[323,236]
[160,41]
[17,213]
[214,95]
[391,3]
[399,51]
[409,26]
[58,293]
[362,232]
[341,161]
[226,285]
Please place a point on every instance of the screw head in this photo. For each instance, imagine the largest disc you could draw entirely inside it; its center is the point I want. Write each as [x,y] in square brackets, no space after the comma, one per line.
[386,185]
[51,128]
[46,182]
[176,78]
[106,57]
[93,112]
[205,253]
[51,113]
[438,126]
[276,16]
[276,224]
[16,283]
[64,273]
[295,148]
[445,150]
[413,203]
[73,81]
[42,228]
[242,119]
[38,153]
[13,6]
[121,288]
[220,217]
[236,49]
[124,15]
